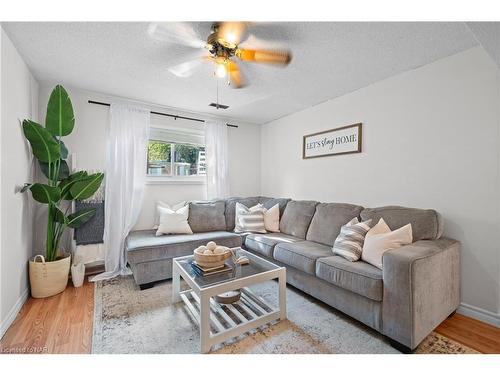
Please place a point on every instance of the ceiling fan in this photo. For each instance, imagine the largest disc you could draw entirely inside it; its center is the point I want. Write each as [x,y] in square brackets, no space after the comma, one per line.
[222,48]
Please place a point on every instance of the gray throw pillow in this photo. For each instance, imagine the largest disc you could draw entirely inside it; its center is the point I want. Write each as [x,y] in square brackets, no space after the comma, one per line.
[207,216]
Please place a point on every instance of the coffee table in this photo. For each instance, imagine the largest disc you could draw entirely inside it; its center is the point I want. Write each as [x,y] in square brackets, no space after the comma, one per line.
[220,322]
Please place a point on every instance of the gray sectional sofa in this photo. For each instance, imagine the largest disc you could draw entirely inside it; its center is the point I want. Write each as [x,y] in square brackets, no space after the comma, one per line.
[416,290]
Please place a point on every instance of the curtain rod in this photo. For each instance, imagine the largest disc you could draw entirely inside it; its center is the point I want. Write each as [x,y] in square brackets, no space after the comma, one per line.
[163,114]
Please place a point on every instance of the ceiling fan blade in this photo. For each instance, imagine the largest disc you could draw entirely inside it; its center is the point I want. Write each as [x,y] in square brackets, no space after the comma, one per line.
[279,57]
[175,32]
[185,69]
[232,32]
[235,75]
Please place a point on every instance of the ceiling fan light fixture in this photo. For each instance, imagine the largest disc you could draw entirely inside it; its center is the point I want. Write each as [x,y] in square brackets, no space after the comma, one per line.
[220,70]
[222,49]
[231,37]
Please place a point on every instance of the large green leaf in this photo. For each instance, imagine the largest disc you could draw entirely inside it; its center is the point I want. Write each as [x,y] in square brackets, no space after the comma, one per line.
[60,118]
[44,146]
[64,150]
[66,184]
[44,193]
[63,169]
[79,218]
[59,216]
[87,186]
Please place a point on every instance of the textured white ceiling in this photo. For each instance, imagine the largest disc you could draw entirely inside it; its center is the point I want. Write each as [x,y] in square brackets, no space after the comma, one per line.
[329,59]
[488,34]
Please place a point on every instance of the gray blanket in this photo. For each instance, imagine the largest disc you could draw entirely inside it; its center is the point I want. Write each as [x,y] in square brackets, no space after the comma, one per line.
[93,230]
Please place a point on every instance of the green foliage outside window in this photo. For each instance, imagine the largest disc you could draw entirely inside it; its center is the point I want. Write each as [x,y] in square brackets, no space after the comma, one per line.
[186,153]
[188,159]
[158,151]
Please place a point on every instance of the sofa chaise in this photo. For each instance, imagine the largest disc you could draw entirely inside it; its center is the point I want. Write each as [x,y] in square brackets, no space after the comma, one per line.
[416,290]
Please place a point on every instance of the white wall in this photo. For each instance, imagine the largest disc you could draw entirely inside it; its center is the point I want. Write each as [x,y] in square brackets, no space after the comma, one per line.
[88,142]
[430,140]
[19,93]
[498,83]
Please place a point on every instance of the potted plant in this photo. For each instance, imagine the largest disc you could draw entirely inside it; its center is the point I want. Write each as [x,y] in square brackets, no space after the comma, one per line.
[50,276]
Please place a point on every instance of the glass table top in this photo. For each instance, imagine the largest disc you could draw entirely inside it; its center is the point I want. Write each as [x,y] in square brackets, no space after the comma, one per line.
[257,265]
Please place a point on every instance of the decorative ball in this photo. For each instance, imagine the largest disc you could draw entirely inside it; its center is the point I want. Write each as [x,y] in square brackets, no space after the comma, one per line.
[208,252]
[211,245]
[202,248]
[219,250]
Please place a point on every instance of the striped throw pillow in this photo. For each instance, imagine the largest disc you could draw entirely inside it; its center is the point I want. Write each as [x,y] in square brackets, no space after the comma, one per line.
[349,243]
[249,220]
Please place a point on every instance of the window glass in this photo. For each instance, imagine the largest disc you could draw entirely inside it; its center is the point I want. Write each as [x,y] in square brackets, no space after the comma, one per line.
[175,159]
[159,158]
[189,160]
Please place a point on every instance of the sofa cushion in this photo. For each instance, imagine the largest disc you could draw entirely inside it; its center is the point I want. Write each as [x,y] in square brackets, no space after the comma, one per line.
[328,219]
[426,224]
[270,202]
[207,216]
[296,218]
[145,246]
[301,255]
[358,277]
[264,243]
[231,209]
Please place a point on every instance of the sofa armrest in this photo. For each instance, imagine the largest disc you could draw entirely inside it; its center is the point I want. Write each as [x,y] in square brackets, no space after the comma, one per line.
[421,288]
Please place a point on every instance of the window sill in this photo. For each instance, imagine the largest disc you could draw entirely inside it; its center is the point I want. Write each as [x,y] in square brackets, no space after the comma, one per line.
[175,181]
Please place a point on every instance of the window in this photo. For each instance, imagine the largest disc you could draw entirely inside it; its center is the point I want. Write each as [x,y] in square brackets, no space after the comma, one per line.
[176,154]
[159,158]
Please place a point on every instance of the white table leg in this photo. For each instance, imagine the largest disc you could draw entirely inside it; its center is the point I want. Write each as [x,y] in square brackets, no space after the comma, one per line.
[176,283]
[204,323]
[282,293]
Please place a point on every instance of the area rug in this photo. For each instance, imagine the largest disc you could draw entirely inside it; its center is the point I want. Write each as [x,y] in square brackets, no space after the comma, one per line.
[128,320]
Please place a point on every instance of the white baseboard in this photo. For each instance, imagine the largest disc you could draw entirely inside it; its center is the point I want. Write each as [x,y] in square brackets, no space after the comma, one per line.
[11,316]
[479,314]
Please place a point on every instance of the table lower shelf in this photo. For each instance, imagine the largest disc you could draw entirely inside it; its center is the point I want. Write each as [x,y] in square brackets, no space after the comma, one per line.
[230,320]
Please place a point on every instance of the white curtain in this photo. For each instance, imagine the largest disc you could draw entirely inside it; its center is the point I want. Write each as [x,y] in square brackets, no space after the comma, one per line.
[216,159]
[125,175]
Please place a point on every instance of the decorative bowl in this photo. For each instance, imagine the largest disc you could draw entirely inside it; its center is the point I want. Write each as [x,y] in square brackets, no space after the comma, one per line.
[228,297]
[211,260]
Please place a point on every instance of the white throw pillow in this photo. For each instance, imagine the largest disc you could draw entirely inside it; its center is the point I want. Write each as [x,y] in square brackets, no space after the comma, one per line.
[271,217]
[159,204]
[174,222]
[381,239]
[249,219]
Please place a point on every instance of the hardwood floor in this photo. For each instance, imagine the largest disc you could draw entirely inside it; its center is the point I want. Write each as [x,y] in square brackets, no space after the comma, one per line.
[480,336]
[59,324]
[63,324]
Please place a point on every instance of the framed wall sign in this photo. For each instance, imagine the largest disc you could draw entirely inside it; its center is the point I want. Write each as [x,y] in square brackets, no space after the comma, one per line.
[339,141]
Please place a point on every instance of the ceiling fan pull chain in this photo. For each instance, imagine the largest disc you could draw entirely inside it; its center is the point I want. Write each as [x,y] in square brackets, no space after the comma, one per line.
[217,84]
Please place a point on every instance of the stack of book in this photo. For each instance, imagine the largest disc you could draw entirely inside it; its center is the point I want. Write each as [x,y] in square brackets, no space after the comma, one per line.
[204,271]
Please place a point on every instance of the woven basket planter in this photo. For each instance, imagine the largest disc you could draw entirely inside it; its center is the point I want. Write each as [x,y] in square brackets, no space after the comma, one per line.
[48,278]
